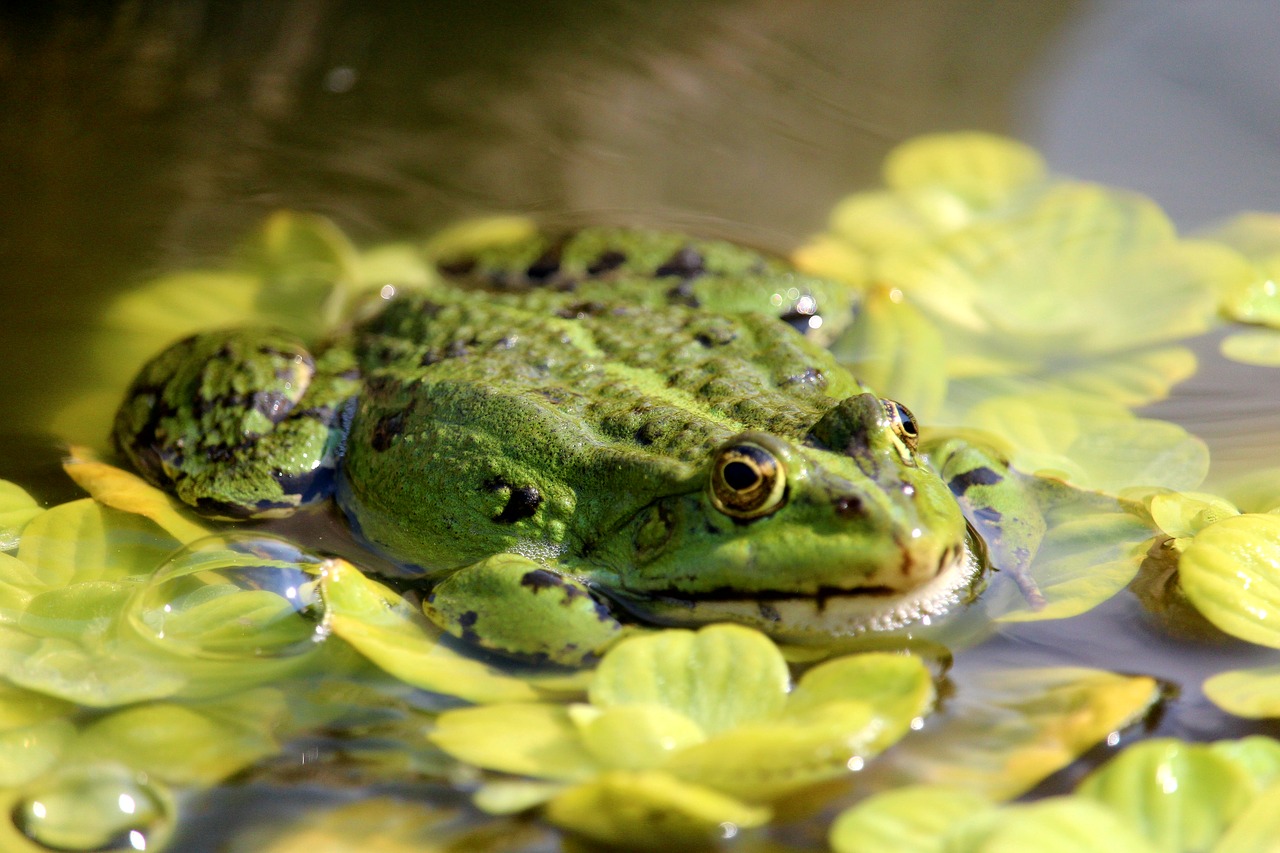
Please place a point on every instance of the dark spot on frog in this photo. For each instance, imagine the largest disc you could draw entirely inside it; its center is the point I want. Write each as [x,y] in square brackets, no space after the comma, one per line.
[608,261]
[798,321]
[540,579]
[982,476]
[686,263]
[547,264]
[386,429]
[522,501]
[768,612]
[467,623]
[988,515]
[682,294]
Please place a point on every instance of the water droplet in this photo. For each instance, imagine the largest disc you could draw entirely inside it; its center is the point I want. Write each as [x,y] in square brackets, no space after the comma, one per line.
[234,596]
[95,810]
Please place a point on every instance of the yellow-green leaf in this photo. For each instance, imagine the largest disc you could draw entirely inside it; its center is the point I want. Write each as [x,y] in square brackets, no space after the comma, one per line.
[16,509]
[651,811]
[1180,796]
[899,687]
[84,540]
[184,744]
[1056,825]
[128,492]
[526,739]
[719,677]
[1005,730]
[383,628]
[1229,573]
[912,819]
[1260,348]
[897,351]
[1256,829]
[1246,692]
[982,168]
[634,737]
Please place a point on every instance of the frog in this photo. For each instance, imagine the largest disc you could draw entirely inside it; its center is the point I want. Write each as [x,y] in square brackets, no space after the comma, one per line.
[573,434]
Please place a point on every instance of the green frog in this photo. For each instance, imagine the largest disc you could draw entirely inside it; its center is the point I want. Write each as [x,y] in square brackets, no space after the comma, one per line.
[577,432]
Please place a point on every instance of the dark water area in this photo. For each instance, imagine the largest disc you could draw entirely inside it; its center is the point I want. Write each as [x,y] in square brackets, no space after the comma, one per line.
[138,137]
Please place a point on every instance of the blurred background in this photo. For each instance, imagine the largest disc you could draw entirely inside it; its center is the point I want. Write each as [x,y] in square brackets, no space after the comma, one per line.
[138,136]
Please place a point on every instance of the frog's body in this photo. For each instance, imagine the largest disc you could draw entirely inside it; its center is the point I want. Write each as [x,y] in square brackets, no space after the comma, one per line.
[619,418]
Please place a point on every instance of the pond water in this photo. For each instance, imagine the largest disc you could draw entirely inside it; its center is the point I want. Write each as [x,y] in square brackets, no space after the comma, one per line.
[139,138]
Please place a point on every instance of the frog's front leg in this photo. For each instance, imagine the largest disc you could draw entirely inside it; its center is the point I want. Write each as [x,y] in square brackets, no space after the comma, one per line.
[239,424]
[512,605]
[999,502]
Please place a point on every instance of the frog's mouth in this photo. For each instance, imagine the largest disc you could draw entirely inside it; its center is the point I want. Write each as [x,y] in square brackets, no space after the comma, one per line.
[831,611]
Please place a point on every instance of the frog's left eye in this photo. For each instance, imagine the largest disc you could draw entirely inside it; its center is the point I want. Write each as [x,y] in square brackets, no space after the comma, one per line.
[903,423]
[747,480]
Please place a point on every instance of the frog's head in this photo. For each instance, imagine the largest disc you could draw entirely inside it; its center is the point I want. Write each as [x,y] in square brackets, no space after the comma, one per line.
[846,531]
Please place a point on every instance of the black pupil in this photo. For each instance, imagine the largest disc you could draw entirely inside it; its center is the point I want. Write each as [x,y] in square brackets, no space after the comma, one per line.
[908,424]
[739,476]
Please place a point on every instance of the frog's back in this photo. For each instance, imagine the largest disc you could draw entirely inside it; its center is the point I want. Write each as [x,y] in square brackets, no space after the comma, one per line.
[551,413]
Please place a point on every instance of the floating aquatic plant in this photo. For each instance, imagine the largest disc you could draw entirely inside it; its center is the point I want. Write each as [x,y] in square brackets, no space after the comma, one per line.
[685,733]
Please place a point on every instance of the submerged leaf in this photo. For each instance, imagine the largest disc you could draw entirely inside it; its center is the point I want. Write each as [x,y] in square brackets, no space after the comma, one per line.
[651,811]
[1004,731]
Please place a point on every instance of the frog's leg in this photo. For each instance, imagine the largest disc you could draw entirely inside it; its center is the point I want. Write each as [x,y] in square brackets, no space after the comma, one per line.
[239,424]
[510,604]
[1000,503]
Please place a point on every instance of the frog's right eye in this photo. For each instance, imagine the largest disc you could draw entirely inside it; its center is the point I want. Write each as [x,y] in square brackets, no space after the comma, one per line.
[747,480]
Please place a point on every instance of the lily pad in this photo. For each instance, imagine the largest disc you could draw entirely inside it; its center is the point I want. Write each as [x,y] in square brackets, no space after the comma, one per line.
[86,541]
[1229,573]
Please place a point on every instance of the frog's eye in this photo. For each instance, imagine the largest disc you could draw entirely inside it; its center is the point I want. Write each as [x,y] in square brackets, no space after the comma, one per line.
[903,423]
[747,481]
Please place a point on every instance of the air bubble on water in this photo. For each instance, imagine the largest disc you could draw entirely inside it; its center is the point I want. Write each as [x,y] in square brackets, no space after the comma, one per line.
[234,596]
[98,809]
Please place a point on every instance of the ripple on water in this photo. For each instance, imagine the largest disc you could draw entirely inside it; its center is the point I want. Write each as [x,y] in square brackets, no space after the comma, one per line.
[234,596]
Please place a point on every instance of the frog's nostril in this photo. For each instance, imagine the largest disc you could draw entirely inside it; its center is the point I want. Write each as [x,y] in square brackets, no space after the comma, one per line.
[849,507]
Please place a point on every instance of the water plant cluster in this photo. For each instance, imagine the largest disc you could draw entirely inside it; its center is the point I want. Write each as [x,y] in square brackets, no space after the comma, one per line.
[149,658]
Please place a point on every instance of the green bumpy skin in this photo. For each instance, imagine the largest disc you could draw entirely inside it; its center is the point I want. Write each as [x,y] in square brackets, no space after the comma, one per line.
[577,429]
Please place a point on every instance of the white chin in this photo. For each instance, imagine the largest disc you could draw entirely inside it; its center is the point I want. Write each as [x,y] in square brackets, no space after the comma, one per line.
[837,614]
